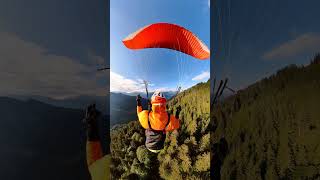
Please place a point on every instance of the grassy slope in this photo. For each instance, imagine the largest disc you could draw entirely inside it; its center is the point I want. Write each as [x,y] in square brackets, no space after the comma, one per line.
[271,129]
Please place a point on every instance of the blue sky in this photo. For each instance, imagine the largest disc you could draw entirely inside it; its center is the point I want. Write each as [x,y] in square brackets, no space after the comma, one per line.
[164,69]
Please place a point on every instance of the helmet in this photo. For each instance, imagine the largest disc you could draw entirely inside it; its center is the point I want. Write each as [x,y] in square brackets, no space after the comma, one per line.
[158,97]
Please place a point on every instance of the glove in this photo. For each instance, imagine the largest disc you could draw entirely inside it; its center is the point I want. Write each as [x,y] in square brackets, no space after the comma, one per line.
[91,121]
[178,112]
[138,99]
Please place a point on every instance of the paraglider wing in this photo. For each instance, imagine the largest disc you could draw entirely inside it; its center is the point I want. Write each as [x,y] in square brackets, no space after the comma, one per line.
[170,36]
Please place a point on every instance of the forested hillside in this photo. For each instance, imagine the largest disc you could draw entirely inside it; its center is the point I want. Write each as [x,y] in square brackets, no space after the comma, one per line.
[270,130]
[187,151]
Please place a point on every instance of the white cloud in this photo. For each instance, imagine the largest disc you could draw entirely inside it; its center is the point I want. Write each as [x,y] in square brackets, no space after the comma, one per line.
[202,77]
[119,83]
[164,89]
[27,69]
[305,43]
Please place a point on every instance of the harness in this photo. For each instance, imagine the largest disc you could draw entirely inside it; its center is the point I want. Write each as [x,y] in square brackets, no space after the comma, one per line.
[155,138]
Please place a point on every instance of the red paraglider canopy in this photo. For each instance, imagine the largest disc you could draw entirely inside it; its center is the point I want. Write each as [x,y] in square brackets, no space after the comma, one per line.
[170,36]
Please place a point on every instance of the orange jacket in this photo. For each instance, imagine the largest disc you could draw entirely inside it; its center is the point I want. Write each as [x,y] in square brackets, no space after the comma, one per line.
[158,118]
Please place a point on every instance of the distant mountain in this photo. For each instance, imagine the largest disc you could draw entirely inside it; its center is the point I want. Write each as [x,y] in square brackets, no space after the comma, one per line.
[41,141]
[79,102]
[122,108]
[168,94]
